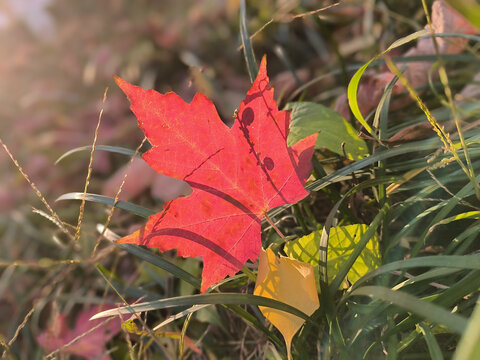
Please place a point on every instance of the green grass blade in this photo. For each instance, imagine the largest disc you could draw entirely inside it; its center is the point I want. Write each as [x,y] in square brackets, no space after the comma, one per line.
[412,304]
[462,241]
[467,285]
[442,261]
[354,82]
[180,315]
[464,58]
[113,149]
[469,346]
[379,155]
[345,173]
[447,206]
[161,263]
[107,200]
[433,347]
[431,275]
[391,343]
[221,299]
[247,45]
[253,321]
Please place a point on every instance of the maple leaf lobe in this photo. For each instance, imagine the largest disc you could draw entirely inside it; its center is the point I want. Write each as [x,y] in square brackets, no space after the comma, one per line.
[236,173]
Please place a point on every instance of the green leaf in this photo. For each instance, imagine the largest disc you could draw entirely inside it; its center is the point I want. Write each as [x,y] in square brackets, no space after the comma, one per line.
[341,244]
[308,118]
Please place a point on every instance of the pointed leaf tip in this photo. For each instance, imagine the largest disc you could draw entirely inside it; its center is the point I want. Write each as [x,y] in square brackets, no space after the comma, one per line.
[130,90]
[262,70]
[120,82]
[291,282]
[123,85]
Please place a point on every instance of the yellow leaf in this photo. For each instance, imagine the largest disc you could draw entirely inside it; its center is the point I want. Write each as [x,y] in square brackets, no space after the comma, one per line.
[341,244]
[291,282]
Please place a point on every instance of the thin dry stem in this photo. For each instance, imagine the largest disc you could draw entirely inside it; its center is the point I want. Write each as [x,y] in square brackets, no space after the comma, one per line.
[138,317]
[460,200]
[38,265]
[52,219]
[448,93]
[52,263]
[6,348]
[21,326]
[35,189]
[444,136]
[117,195]
[89,172]
[313,12]
[129,341]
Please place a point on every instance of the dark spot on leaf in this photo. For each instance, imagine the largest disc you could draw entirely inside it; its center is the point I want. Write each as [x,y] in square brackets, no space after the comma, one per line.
[268,162]
[247,116]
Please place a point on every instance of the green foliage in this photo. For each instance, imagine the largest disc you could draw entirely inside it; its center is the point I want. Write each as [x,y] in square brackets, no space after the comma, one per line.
[354,82]
[469,345]
[334,132]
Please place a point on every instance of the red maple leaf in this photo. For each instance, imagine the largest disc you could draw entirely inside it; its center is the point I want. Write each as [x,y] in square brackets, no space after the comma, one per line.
[237,173]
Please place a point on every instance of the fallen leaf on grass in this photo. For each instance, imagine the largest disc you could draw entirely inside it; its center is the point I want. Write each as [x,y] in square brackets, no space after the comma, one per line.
[291,282]
[341,242]
[89,346]
[334,132]
[237,174]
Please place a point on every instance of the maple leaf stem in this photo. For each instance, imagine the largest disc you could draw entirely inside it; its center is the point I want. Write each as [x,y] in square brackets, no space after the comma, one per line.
[274,226]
